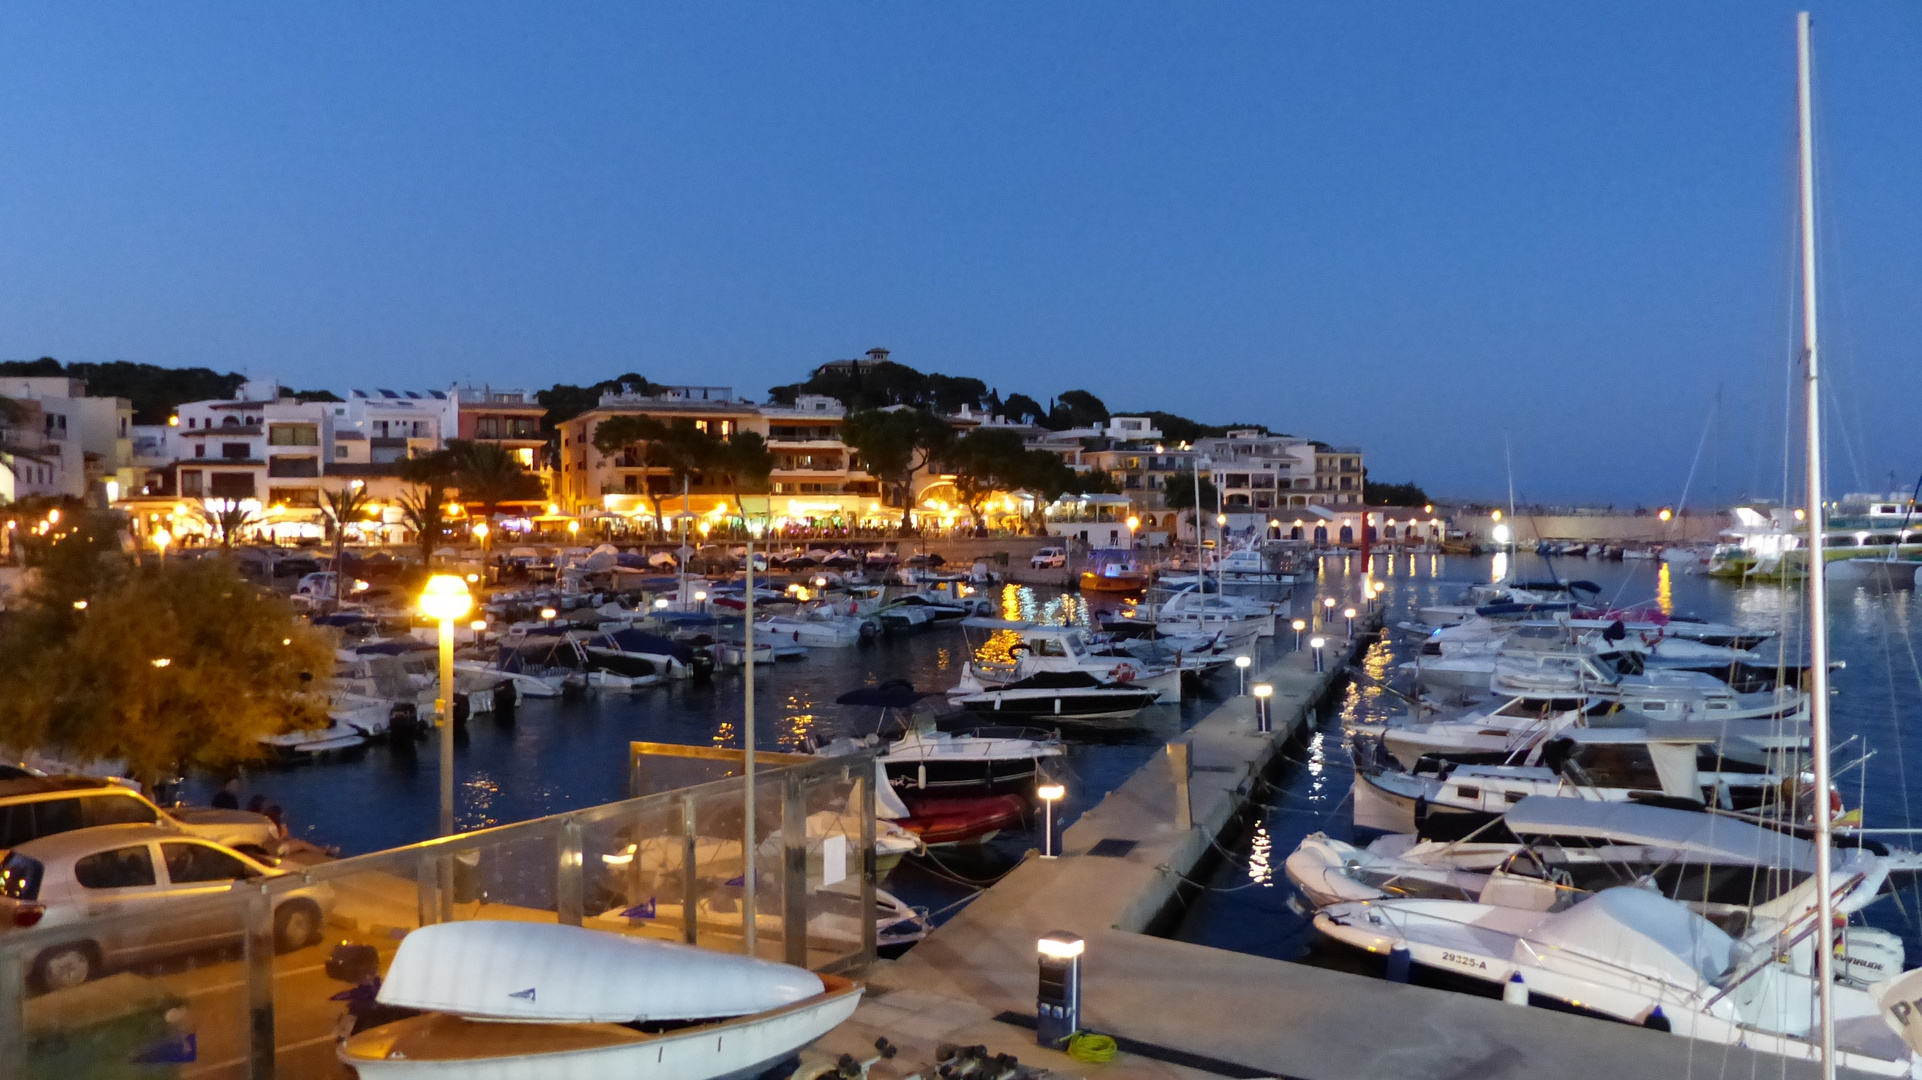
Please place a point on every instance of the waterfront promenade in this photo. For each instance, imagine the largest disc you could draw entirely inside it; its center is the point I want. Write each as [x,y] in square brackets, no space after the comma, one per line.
[1200,1011]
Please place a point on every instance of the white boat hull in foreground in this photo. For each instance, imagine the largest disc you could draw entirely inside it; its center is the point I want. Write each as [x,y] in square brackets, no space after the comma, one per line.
[442,1045]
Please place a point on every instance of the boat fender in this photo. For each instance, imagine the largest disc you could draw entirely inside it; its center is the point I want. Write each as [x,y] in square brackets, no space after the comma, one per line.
[1656,1020]
[921,776]
[1399,964]
[1123,673]
[1516,992]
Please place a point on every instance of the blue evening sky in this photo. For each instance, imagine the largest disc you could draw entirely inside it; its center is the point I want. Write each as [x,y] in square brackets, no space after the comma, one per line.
[1435,230]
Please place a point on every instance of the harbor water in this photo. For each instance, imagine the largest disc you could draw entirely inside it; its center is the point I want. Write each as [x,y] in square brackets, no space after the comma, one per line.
[558,755]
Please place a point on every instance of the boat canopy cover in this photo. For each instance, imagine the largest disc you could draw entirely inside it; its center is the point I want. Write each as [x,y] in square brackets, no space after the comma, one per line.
[1057,680]
[568,974]
[893,694]
[987,622]
[1642,931]
[1558,586]
[640,641]
[1710,836]
[686,618]
[396,647]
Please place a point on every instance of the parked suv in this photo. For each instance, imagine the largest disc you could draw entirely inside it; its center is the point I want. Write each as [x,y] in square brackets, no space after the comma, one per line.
[87,878]
[1049,558]
[33,807]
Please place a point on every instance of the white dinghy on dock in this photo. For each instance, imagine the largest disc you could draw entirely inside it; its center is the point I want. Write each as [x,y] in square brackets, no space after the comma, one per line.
[536,1001]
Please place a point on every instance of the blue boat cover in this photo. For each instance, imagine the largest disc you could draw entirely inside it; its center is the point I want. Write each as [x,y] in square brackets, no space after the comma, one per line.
[640,641]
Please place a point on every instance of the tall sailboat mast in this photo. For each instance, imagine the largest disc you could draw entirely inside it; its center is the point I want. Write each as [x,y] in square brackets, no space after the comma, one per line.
[1817,569]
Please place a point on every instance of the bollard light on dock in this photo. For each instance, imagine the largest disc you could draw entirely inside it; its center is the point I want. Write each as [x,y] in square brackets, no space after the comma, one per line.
[1327,610]
[1049,793]
[548,613]
[1349,614]
[1317,644]
[1263,722]
[1299,625]
[1057,1001]
[1242,664]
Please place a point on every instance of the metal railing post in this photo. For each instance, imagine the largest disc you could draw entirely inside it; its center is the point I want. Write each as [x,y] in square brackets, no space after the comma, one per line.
[864,800]
[427,884]
[258,911]
[570,904]
[690,874]
[13,1015]
[794,876]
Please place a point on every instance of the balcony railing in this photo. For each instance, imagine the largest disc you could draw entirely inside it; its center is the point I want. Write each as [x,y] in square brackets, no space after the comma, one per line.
[666,865]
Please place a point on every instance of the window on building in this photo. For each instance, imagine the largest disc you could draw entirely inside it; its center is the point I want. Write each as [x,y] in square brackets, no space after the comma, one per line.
[230,420]
[304,497]
[200,449]
[236,451]
[293,435]
[190,485]
[230,485]
[487,427]
[340,452]
[293,466]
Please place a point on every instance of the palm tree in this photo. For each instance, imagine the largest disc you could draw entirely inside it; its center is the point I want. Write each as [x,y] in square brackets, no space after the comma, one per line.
[346,506]
[744,462]
[648,437]
[489,474]
[228,517]
[424,510]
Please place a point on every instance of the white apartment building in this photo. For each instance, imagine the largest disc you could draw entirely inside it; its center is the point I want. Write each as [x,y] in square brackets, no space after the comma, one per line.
[86,442]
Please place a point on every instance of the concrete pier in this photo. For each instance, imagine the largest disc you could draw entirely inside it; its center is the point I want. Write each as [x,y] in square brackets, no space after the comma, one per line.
[1199,1011]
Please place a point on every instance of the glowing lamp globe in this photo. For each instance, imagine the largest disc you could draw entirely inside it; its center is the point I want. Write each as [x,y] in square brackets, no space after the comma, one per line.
[1316,643]
[1050,792]
[1243,662]
[446,597]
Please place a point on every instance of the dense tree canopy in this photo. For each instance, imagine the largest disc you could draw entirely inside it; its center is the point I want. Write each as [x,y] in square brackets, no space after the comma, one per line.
[159,666]
[154,390]
[1376,494]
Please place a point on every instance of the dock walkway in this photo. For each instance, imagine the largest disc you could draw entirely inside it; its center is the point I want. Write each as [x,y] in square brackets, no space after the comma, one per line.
[1235,1014]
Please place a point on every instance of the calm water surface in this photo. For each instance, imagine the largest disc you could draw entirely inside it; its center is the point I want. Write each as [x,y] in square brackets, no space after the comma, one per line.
[563,755]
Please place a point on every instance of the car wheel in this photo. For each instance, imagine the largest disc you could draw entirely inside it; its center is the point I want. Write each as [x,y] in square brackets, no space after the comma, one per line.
[296,926]
[64,967]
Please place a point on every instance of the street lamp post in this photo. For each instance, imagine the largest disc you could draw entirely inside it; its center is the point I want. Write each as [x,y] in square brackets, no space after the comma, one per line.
[1263,723]
[445,599]
[1317,644]
[1242,664]
[1327,610]
[1049,793]
[1299,625]
[1349,614]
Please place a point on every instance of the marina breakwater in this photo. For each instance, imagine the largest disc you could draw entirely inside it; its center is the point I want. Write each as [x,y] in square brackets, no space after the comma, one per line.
[1184,1010]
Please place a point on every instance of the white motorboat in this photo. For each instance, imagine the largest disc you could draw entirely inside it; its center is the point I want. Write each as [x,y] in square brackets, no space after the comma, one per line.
[1633,955]
[1695,763]
[1731,871]
[1508,730]
[536,1001]
[1236,618]
[817,630]
[1032,649]
[1059,697]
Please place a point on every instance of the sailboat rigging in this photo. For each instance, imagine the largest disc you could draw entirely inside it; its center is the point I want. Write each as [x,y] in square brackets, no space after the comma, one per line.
[1817,572]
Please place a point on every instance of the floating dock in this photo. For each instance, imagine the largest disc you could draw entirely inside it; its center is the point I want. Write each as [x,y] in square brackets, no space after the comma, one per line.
[1185,1010]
